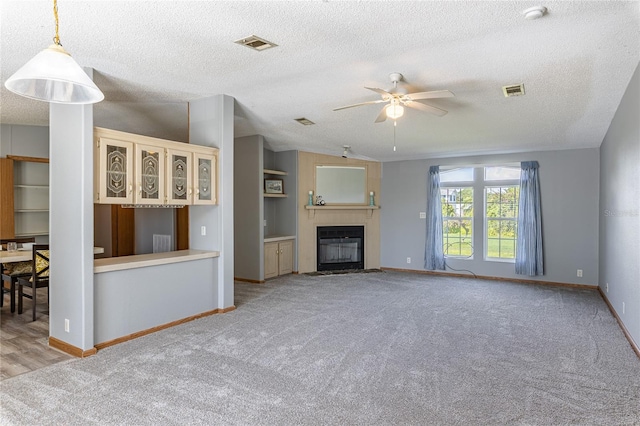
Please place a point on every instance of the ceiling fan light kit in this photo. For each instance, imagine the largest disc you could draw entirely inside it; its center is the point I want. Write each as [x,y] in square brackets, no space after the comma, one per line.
[53,76]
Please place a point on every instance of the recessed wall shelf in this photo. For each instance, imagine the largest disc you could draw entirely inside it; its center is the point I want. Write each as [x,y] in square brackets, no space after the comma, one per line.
[275,195]
[274,172]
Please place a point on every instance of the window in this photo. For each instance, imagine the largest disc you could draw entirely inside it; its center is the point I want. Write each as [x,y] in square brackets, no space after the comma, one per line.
[457,221]
[457,212]
[501,214]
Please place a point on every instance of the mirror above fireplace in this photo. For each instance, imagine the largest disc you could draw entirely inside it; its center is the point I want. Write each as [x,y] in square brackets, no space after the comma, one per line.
[341,184]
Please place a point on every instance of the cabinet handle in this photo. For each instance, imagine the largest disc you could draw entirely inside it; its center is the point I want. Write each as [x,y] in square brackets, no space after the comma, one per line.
[130,188]
[190,191]
[140,190]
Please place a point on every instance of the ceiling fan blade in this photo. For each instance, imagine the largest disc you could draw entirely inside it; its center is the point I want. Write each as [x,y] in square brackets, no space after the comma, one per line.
[385,95]
[429,95]
[361,103]
[382,116]
[426,108]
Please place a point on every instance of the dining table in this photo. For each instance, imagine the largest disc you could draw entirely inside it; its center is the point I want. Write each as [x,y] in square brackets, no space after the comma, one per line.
[22,255]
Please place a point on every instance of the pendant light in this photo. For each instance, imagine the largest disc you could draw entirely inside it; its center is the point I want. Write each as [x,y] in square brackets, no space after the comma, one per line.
[53,76]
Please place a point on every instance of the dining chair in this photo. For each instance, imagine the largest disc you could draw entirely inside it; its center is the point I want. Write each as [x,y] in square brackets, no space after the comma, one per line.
[39,277]
[12,271]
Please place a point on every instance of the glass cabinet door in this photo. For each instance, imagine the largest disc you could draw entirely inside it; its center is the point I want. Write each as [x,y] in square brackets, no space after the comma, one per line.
[149,170]
[179,177]
[204,178]
[115,172]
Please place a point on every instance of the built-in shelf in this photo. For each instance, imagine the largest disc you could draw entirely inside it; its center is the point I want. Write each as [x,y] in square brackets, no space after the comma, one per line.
[274,172]
[32,234]
[275,195]
[32,211]
[32,186]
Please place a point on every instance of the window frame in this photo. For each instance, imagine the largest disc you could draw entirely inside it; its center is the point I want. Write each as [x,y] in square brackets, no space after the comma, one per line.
[462,184]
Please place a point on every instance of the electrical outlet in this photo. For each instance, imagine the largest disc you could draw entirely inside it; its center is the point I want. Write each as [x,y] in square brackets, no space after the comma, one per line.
[423,215]
[66,325]
[408,260]
[622,308]
[580,272]
[203,230]
[264,223]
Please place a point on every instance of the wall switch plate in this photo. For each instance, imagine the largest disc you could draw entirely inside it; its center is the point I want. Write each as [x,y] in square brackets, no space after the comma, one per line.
[579,272]
[264,222]
[203,230]
[622,308]
[66,325]
[408,260]
[423,215]
[607,287]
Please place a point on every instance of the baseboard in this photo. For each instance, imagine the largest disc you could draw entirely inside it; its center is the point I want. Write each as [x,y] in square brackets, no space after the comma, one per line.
[70,349]
[484,277]
[162,327]
[247,280]
[633,344]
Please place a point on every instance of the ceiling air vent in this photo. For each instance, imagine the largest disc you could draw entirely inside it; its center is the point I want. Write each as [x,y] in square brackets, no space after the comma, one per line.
[304,121]
[515,90]
[256,43]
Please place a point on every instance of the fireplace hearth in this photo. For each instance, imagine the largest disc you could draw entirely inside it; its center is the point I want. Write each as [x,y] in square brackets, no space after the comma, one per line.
[340,248]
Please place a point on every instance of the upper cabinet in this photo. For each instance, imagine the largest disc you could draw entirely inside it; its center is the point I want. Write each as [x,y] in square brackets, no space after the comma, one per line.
[135,169]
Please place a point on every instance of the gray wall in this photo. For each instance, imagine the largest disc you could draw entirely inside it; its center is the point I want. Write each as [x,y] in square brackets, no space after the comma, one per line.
[28,141]
[569,182]
[248,229]
[620,210]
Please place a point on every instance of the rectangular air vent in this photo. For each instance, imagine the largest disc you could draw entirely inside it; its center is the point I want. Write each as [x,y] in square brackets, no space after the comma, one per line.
[304,121]
[515,90]
[256,43]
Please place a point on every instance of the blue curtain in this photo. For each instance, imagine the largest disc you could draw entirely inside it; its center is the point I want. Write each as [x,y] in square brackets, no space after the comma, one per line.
[529,241]
[433,255]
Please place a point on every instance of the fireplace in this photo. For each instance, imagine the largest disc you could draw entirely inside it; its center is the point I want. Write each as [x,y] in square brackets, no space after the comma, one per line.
[340,247]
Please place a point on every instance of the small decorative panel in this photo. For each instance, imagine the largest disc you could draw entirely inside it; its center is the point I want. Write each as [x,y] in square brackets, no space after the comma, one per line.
[150,163]
[204,179]
[116,168]
[179,177]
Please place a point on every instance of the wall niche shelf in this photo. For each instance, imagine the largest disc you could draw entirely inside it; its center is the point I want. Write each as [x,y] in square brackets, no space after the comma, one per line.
[275,195]
[275,172]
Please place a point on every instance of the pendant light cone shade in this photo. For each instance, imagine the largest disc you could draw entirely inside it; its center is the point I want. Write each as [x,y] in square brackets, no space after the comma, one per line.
[394,111]
[53,76]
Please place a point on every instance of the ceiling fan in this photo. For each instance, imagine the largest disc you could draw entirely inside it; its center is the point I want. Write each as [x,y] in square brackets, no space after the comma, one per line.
[397,100]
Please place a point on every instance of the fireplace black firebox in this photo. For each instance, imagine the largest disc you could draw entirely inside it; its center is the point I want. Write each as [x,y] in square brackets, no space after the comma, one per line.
[340,247]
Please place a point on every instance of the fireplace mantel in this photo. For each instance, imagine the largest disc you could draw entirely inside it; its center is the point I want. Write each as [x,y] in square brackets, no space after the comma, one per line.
[312,209]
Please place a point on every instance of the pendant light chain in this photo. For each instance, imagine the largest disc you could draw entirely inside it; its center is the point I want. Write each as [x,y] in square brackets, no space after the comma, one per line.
[56,38]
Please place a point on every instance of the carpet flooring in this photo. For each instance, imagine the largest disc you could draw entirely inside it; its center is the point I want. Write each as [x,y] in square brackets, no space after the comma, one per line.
[389,348]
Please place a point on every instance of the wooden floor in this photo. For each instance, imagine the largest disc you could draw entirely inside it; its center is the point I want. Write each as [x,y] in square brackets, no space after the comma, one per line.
[23,343]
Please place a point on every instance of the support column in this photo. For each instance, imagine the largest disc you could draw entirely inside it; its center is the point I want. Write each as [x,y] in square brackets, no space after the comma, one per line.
[211,124]
[71,227]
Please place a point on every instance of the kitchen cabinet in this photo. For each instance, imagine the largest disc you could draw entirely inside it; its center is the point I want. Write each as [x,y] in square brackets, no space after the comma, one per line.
[278,258]
[141,170]
[113,168]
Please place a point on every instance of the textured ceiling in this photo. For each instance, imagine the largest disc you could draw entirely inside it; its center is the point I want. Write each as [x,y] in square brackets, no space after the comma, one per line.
[152,57]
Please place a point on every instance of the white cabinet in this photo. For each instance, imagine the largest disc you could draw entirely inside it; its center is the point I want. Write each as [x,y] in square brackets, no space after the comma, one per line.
[149,174]
[179,178]
[278,258]
[140,170]
[204,182]
[113,169]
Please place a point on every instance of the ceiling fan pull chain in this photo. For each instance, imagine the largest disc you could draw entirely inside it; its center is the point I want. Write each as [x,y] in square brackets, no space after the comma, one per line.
[395,123]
